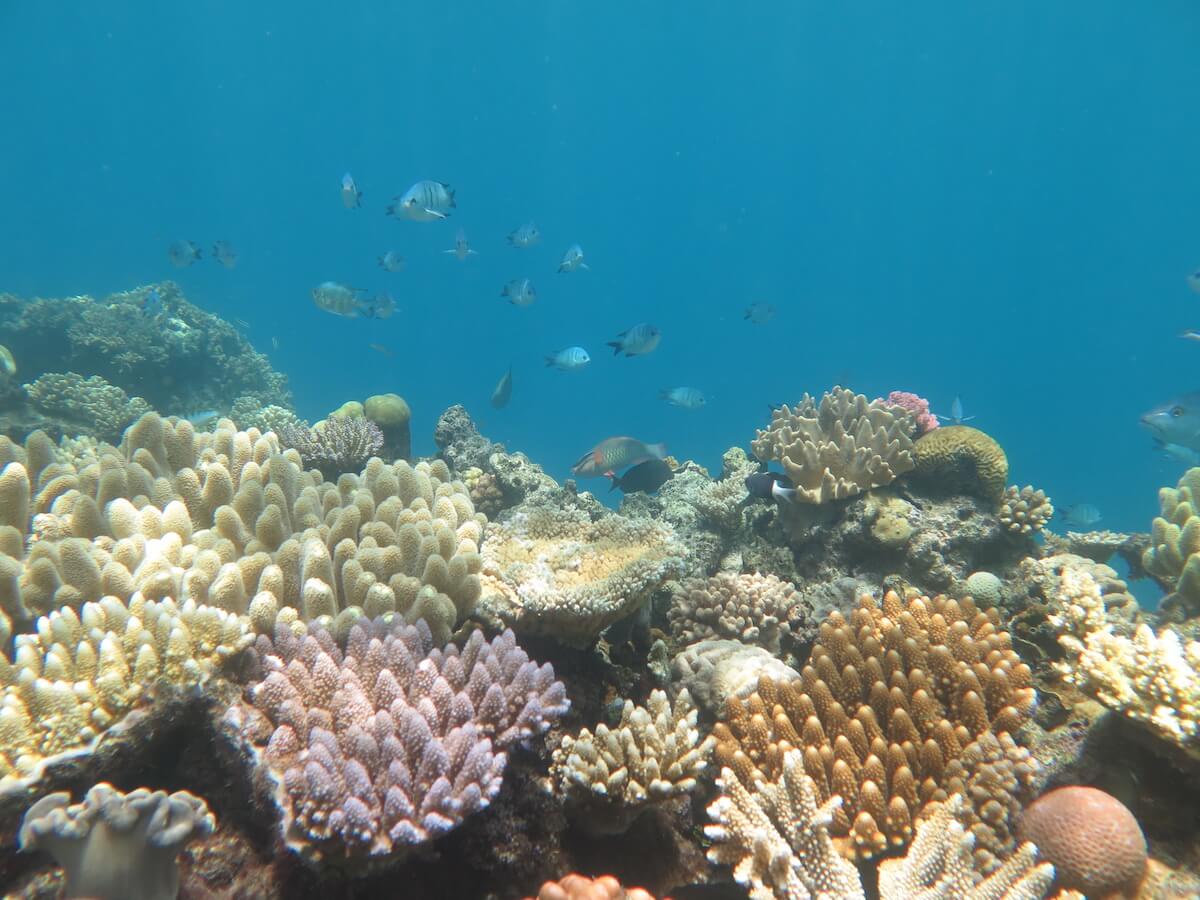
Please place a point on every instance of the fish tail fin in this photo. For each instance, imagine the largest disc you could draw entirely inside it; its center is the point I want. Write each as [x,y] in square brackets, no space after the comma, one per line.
[450,191]
[391,209]
[657,450]
[616,345]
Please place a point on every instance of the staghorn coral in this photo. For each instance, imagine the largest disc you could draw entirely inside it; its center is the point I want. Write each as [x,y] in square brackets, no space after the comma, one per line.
[334,446]
[389,743]
[961,459]
[1093,840]
[80,675]
[1151,679]
[89,404]
[839,447]
[714,671]
[1173,557]
[1024,510]
[580,887]
[776,838]
[654,753]
[886,703]
[558,573]
[939,866]
[753,609]
[114,845]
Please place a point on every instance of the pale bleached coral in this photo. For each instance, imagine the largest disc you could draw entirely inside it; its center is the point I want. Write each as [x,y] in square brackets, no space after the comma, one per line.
[1153,679]
[1174,553]
[558,573]
[91,404]
[721,501]
[753,609]
[715,671]
[1025,510]
[839,447]
[114,844]
[654,753]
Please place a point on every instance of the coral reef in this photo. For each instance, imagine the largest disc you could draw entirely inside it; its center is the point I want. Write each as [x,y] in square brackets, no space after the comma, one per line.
[960,459]
[654,753]
[839,447]
[1174,555]
[558,573]
[715,671]
[1024,510]
[1093,841]
[88,405]
[334,446]
[386,745]
[249,412]
[753,609]
[114,844]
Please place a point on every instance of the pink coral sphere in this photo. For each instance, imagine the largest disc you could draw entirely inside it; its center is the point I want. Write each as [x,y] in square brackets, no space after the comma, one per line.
[1093,840]
[918,406]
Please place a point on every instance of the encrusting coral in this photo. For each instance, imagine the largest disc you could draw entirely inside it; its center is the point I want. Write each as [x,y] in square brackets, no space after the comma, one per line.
[1152,679]
[1024,510]
[839,447]
[114,845]
[390,742]
[654,753]
[886,703]
[1174,553]
[558,573]
[753,609]
[961,459]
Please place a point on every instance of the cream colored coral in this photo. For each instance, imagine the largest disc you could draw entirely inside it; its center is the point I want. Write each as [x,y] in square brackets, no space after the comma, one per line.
[655,752]
[838,448]
[1150,678]
[1174,552]
[1024,510]
[753,608]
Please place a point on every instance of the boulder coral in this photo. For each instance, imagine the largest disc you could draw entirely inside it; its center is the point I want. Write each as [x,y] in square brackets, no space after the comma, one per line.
[391,413]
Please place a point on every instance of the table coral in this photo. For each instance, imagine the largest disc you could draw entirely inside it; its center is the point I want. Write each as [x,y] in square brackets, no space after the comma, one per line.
[1174,553]
[753,609]
[388,743]
[838,447]
[961,459]
[558,573]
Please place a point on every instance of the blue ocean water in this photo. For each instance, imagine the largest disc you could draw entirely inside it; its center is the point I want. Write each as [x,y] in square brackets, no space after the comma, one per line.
[997,204]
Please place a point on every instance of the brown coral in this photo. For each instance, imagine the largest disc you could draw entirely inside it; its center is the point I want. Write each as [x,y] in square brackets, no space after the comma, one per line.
[838,448]
[886,703]
[961,459]
[753,609]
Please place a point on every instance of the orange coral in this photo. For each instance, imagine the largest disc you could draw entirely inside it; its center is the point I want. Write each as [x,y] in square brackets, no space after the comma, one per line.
[580,887]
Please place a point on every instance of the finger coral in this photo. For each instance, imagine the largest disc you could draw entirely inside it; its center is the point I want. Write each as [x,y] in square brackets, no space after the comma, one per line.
[1024,510]
[753,609]
[557,573]
[839,447]
[886,703]
[957,459]
[114,845]
[1174,553]
[388,743]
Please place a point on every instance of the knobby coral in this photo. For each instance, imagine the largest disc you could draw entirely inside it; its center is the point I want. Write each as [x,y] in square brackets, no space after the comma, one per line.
[390,742]
[753,609]
[839,447]
[1174,553]
[1024,510]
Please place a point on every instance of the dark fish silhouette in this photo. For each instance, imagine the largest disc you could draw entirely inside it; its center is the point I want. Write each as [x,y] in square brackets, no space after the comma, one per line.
[646,477]
[770,486]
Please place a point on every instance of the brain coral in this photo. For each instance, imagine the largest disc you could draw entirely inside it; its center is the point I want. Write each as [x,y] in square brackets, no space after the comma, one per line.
[1174,553]
[390,742]
[960,459]
[840,447]
[558,573]
[1094,842]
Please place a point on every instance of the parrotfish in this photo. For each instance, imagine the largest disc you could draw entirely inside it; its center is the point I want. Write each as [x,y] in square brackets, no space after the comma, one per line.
[461,248]
[572,259]
[1177,421]
[183,253]
[503,392]
[520,292]
[569,359]
[525,236]
[351,195]
[616,453]
[425,201]
[646,477]
[225,253]
[637,341]
[686,397]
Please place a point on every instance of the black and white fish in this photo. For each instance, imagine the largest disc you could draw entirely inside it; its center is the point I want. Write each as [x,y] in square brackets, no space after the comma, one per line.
[685,397]
[391,261]
[637,341]
[572,259]
[183,253]
[525,235]
[520,292]
[225,253]
[569,359]
[425,201]
[770,486]
[381,306]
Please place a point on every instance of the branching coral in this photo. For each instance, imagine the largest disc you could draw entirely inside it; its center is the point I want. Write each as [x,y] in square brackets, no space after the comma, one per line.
[334,446]
[1024,510]
[960,459]
[1151,679]
[117,845]
[558,573]
[390,743]
[753,609]
[838,448]
[91,404]
[1174,553]
[654,753]
[885,704]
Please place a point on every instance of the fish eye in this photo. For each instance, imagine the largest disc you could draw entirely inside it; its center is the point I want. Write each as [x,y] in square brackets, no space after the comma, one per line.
[1176,412]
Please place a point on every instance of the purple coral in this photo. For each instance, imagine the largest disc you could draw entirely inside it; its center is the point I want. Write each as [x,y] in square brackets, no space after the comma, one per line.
[392,743]
[918,408]
[340,445]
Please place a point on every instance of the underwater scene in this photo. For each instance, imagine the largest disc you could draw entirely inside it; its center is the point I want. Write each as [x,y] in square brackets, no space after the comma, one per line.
[592,451]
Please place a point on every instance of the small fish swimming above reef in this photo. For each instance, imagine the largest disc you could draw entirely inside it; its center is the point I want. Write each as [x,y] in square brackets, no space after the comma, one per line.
[201,420]
[503,392]
[956,416]
[1193,281]
[182,254]
[337,299]
[1080,515]
[381,306]
[637,341]
[646,477]
[685,397]
[225,253]
[425,201]
[1177,421]
[569,360]
[759,313]
[572,259]
[616,453]
[520,292]
[525,236]
[770,486]
[461,249]
[152,303]
[391,261]
[1190,335]
[351,195]
[8,365]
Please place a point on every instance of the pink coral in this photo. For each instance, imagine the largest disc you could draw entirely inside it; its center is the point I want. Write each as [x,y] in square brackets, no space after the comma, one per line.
[918,406]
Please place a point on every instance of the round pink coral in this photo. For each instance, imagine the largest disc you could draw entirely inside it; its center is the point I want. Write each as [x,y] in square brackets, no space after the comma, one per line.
[918,406]
[1093,840]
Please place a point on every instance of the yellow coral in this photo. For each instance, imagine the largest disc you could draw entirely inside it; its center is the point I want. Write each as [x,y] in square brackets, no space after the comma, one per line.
[1174,553]
[958,458]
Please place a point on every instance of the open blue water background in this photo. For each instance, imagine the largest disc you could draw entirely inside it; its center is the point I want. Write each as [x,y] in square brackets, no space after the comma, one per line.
[1002,205]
